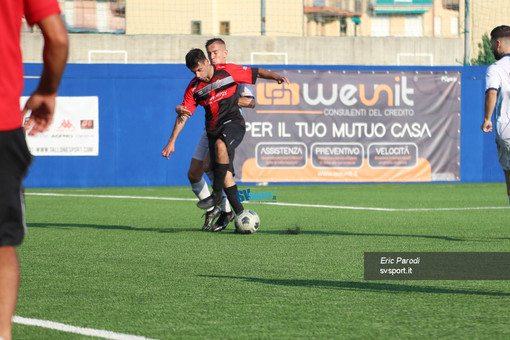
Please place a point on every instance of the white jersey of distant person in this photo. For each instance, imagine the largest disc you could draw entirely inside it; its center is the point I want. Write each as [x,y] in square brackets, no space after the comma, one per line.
[498,78]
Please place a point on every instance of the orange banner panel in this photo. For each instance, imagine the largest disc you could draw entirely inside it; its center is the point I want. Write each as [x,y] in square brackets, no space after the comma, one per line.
[420,173]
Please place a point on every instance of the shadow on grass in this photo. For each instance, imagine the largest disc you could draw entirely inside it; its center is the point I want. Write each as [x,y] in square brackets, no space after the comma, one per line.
[107,227]
[361,286]
[274,232]
[346,233]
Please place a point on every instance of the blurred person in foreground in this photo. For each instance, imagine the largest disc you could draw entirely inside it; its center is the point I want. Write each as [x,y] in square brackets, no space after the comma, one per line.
[497,97]
[15,157]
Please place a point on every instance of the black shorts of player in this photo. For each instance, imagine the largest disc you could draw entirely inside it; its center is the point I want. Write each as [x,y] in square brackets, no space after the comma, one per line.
[14,162]
[232,134]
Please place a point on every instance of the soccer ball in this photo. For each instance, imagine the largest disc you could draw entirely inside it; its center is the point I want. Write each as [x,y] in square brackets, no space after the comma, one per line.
[247,222]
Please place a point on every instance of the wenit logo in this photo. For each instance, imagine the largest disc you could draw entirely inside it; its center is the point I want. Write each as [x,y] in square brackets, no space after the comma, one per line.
[397,93]
[277,94]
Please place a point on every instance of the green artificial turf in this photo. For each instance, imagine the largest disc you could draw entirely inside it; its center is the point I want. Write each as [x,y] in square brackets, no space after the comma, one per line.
[143,267]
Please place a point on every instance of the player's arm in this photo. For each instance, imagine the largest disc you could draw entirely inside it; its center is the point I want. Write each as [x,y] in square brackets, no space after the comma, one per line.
[246,97]
[248,102]
[183,111]
[246,75]
[180,121]
[55,52]
[265,74]
[188,105]
[491,96]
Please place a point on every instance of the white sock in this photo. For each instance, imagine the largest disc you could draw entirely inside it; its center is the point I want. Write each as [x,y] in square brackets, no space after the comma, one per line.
[201,190]
[225,206]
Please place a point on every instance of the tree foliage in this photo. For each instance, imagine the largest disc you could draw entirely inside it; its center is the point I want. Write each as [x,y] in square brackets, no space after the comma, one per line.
[485,56]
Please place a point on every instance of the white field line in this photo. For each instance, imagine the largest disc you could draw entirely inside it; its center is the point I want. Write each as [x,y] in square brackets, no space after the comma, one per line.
[76,330]
[273,203]
[111,196]
[376,209]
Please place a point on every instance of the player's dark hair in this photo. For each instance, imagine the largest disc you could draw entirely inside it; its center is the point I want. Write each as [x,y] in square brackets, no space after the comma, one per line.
[499,32]
[214,40]
[194,56]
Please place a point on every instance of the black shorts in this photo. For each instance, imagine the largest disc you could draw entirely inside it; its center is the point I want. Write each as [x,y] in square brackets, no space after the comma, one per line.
[232,134]
[14,162]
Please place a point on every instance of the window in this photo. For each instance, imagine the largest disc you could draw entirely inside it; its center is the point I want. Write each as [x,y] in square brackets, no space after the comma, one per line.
[451,4]
[358,6]
[342,4]
[413,25]
[343,26]
[196,27]
[225,28]
[437,26]
[454,26]
[381,26]
[118,8]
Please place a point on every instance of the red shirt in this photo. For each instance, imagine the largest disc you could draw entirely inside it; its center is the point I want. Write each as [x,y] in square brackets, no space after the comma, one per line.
[218,96]
[11,63]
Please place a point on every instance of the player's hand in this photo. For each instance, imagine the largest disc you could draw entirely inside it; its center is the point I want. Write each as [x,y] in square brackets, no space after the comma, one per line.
[168,150]
[182,111]
[41,117]
[487,126]
[283,80]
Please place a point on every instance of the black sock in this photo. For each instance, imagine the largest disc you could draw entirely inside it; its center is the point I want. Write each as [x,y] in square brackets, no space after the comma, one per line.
[231,193]
[220,171]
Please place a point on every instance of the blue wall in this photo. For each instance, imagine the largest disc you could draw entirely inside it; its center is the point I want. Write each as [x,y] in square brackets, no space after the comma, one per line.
[136,117]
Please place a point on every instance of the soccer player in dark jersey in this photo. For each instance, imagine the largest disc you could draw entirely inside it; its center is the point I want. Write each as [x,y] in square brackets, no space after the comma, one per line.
[200,160]
[214,87]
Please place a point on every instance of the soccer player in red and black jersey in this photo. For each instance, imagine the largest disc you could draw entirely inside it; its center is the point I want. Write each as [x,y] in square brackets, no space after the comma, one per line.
[214,87]
[15,157]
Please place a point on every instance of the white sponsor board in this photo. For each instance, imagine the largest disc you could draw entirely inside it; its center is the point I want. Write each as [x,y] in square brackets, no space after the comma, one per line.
[74,131]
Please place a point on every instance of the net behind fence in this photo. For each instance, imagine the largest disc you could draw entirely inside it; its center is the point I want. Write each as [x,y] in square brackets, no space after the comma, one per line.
[295,18]
[265,17]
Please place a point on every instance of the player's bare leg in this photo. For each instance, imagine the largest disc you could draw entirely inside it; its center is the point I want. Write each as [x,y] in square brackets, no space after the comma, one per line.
[9,281]
[196,170]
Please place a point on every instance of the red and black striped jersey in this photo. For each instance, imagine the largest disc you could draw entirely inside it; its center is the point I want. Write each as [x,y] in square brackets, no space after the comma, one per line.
[219,96]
